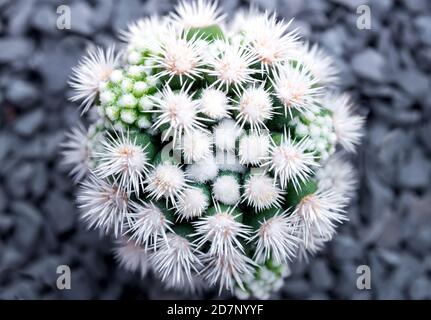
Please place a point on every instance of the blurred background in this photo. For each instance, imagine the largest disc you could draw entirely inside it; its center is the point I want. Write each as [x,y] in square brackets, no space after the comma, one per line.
[386,68]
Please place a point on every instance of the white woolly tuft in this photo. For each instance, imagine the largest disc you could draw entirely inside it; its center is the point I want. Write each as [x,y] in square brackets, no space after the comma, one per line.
[253,148]
[91,72]
[296,89]
[192,203]
[226,189]
[203,170]
[319,212]
[104,206]
[214,104]
[132,257]
[245,22]
[221,230]
[197,14]
[149,224]
[254,108]
[127,101]
[166,181]
[144,34]
[175,261]
[314,243]
[321,66]
[196,145]
[271,41]
[233,67]
[338,175]
[348,127]
[228,161]
[290,162]
[180,56]
[227,269]
[178,111]
[261,192]
[225,135]
[76,152]
[277,239]
[122,158]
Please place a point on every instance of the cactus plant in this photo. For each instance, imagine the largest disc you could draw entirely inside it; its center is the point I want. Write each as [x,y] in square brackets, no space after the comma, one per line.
[213,158]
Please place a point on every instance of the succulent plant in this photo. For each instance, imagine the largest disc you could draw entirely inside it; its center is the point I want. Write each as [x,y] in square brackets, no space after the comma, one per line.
[214,156]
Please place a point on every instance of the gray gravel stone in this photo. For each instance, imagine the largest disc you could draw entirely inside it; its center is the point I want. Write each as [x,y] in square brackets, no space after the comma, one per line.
[22,93]
[12,259]
[18,179]
[414,82]
[416,171]
[82,15]
[56,60]
[380,198]
[423,26]
[417,5]
[420,210]
[370,64]
[124,12]
[45,19]
[296,289]
[29,123]
[320,275]
[81,287]
[20,291]
[19,15]
[60,212]
[350,4]
[333,39]
[102,13]
[420,288]
[381,7]
[6,223]
[13,48]
[44,270]
[5,144]
[3,203]
[39,182]
[27,225]
[346,248]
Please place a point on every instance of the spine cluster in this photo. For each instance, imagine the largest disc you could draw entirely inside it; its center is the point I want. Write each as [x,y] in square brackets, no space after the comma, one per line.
[214,158]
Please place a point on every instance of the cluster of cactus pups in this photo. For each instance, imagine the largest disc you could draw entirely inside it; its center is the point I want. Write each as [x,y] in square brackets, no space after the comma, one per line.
[213,152]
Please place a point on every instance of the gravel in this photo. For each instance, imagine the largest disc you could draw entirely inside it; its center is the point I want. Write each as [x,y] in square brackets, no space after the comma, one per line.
[386,69]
